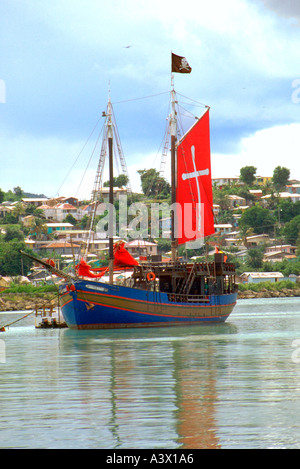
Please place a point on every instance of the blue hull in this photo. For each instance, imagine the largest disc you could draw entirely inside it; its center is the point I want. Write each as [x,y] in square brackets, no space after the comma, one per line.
[93,305]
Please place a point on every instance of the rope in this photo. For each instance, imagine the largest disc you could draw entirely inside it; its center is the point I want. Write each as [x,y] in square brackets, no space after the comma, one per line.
[2,328]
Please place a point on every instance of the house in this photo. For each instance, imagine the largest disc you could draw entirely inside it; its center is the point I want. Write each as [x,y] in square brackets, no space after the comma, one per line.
[293,188]
[280,252]
[61,247]
[68,200]
[221,182]
[255,240]
[257,277]
[294,197]
[117,192]
[256,192]
[262,180]
[139,247]
[28,221]
[216,209]
[4,283]
[236,201]
[53,227]
[5,209]
[223,228]
[34,201]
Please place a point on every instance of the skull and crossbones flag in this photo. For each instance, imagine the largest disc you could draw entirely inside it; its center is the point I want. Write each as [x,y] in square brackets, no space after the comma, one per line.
[180,64]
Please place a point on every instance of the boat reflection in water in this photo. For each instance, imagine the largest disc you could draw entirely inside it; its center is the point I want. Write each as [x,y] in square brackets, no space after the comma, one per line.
[156,388]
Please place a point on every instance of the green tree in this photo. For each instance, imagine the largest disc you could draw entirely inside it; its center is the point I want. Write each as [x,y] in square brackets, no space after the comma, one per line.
[280,177]
[70,219]
[118,181]
[259,219]
[13,232]
[18,192]
[153,184]
[255,258]
[18,210]
[291,231]
[11,261]
[247,175]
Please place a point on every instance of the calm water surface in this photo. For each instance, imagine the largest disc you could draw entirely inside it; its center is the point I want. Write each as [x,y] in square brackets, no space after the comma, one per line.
[235,385]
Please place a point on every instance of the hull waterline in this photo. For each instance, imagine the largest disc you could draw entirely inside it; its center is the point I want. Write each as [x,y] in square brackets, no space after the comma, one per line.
[94,305]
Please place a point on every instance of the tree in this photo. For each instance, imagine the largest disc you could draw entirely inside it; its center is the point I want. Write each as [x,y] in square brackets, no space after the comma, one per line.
[18,210]
[18,192]
[280,177]
[153,184]
[255,258]
[119,181]
[70,219]
[13,232]
[247,175]
[11,263]
[291,230]
[258,218]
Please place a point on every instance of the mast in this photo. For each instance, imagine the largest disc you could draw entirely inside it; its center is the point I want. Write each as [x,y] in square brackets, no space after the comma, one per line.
[173,133]
[111,191]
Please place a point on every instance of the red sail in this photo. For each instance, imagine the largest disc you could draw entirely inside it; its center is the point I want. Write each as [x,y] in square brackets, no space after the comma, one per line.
[194,187]
[122,256]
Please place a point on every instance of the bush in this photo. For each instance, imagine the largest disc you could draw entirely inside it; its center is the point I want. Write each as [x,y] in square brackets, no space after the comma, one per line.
[271,286]
[30,289]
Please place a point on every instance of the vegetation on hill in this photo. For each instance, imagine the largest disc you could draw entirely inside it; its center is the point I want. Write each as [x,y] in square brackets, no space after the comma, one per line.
[278,217]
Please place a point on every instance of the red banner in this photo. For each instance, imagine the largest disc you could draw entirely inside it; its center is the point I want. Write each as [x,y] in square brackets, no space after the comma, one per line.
[195,217]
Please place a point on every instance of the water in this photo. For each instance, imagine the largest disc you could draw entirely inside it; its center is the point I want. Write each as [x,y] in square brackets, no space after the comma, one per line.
[233,385]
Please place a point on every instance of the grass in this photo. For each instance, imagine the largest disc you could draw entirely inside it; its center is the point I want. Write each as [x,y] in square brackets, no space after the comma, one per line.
[270,286]
[30,289]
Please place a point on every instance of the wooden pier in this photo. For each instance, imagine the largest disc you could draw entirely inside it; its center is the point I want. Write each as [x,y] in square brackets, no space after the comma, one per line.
[49,317]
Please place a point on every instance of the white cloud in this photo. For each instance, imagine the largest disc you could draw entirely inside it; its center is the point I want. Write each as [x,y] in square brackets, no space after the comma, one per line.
[265,149]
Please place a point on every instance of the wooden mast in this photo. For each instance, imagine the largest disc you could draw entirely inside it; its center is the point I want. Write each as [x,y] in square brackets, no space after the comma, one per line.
[111,192]
[173,133]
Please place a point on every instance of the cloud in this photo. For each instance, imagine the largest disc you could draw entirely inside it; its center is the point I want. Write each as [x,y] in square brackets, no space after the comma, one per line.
[265,149]
[59,58]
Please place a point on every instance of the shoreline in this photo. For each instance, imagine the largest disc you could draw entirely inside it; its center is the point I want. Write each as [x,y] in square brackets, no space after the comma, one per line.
[29,302]
[264,293]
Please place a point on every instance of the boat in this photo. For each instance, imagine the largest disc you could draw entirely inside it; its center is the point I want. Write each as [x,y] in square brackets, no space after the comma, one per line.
[159,293]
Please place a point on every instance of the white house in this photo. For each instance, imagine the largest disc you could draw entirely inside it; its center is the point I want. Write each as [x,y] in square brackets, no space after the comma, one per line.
[257,277]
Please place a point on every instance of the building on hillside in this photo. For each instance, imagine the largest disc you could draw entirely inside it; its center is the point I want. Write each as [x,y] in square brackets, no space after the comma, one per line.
[28,220]
[140,247]
[294,197]
[256,192]
[117,192]
[60,247]
[221,182]
[257,277]
[262,180]
[293,188]
[235,201]
[223,228]
[5,209]
[34,201]
[53,227]
[256,240]
[280,252]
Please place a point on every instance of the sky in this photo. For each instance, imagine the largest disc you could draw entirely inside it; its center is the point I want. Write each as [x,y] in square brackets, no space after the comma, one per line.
[60,59]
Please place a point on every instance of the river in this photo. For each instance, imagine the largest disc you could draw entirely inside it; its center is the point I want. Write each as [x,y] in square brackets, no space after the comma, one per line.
[230,386]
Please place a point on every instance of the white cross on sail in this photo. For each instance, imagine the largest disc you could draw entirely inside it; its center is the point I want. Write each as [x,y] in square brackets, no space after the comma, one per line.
[195,174]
